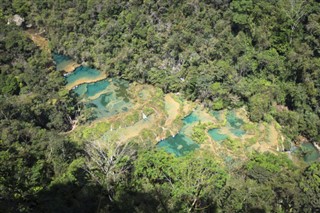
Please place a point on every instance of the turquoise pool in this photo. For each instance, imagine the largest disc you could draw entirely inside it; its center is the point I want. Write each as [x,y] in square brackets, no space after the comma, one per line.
[216,135]
[309,152]
[235,124]
[95,88]
[179,145]
[82,72]
[191,118]
[216,114]
[61,61]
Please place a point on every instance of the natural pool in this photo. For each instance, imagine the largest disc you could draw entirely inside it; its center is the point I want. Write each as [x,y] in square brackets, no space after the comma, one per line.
[309,152]
[178,145]
[191,118]
[80,89]
[91,89]
[181,144]
[216,135]
[83,73]
[235,124]
[61,61]
[108,97]
[105,102]
[216,114]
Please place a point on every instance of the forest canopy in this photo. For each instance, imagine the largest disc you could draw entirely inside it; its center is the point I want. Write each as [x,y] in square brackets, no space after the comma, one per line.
[264,55]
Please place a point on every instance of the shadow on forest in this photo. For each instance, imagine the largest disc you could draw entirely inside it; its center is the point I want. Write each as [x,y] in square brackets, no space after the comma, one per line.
[65,198]
[83,198]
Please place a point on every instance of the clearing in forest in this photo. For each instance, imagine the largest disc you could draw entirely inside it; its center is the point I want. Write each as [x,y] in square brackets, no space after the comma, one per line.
[39,40]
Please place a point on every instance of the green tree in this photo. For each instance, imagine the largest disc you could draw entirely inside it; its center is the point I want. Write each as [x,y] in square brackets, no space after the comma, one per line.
[194,179]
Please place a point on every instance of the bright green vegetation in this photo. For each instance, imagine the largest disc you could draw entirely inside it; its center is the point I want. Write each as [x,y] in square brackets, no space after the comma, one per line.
[263,54]
[233,57]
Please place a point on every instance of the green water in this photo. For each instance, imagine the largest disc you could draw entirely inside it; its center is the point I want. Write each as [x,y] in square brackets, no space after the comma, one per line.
[61,61]
[116,101]
[215,135]
[60,58]
[100,105]
[191,118]
[309,152]
[111,102]
[235,124]
[179,145]
[216,114]
[233,120]
[83,72]
[108,103]
[91,89]
[81,89]
[97,87]
[237,132]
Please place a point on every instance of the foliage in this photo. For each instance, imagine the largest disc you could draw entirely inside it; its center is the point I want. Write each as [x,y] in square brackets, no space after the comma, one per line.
[222,53]
[262,54]
[195,179]
[199,133]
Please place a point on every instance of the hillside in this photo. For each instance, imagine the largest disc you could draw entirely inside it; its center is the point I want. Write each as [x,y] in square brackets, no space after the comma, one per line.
[160,106]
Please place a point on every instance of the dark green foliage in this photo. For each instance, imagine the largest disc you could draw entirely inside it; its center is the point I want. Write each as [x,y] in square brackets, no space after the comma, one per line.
[188,47]
[28,74]
[310,185]
[30,158]
[33,111]
[262,54]
[271,184]
[187,183]
[10,85]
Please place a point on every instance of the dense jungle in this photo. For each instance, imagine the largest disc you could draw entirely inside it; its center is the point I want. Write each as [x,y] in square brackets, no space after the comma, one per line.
[160,106]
